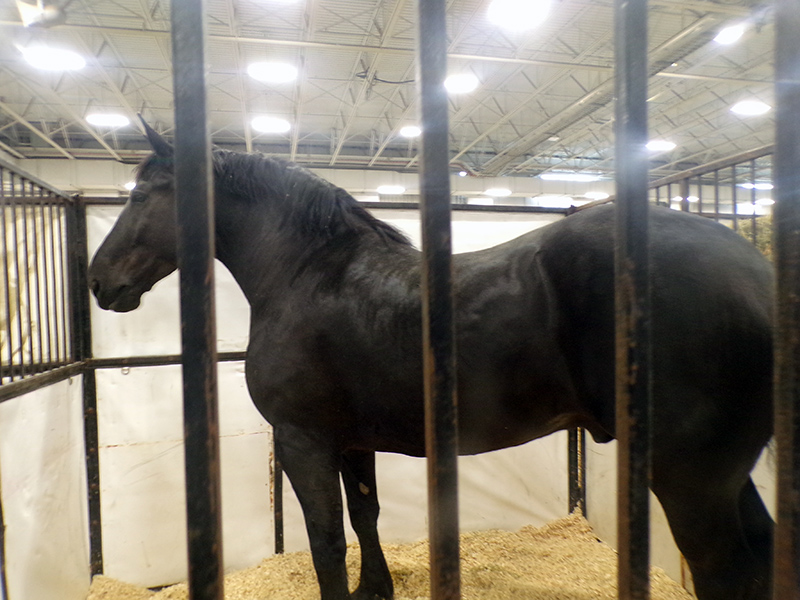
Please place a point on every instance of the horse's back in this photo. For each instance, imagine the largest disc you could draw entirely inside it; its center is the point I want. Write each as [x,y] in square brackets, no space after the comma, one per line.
[711,299]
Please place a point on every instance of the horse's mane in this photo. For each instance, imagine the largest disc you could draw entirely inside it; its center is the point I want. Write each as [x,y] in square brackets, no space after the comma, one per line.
[309,202]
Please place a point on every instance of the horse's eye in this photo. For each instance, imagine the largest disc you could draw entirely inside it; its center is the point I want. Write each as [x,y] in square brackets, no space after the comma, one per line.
[137,197]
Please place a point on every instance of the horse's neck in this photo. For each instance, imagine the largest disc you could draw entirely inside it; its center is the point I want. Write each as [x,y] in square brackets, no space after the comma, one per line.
[247,246]
[264,254]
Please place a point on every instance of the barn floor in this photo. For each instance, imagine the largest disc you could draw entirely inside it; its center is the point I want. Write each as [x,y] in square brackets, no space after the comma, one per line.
[560,561]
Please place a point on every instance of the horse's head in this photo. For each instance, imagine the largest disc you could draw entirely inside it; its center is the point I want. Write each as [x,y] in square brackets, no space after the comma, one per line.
[141,248]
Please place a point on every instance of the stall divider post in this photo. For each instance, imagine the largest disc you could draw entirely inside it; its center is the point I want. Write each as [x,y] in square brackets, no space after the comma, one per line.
[441,436]
[195,211]
[632,301]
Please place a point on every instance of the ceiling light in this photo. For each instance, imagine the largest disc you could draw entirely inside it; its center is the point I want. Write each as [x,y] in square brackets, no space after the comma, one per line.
[756,186]
[750,108]
[390,190]
[53,59]
[410,131]
[107,120]
[462,173]
[551,201]
[660,145]
[130,185]
[461,83]
[729,35]
[270,125]
[272,72]
[692,199]
[569,176]
[518,15]
[765,201]
[596,195]
[498,192]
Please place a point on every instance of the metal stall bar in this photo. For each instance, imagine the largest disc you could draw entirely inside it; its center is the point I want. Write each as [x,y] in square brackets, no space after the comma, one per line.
[441,435]
[195,207]
[81,326]
[787,260]
[632,301]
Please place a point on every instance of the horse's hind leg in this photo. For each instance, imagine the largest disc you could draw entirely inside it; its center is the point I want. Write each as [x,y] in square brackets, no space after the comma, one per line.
[706,519]
[757,524]
[313,470]
[358,473]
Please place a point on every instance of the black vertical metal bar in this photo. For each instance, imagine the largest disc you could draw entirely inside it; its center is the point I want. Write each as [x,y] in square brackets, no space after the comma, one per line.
[683,186]
[734,198]
[195,205]
[81,326]
[633,341]
[753,192]
[48,325]
[787,262]
[277,491]
[576,462]
[441,435]
[27,275]
[63,261]
[17,278]
[6,275]
[700,194]
[54,278]
[37,252]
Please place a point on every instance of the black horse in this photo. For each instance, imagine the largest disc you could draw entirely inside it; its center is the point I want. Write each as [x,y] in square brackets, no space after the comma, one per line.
[334,360]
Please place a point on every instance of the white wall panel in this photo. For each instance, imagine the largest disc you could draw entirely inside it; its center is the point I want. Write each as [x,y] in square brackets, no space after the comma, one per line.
[44,494]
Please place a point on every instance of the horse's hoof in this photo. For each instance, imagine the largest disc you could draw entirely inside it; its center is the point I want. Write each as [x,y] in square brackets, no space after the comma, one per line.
[360,594]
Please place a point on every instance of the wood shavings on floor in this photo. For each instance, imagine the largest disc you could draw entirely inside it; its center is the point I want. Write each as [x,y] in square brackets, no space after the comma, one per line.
[560,561]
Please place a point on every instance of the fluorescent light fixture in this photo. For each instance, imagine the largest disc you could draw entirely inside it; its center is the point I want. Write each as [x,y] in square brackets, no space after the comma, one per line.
[569,176]
[272,72]
[660,145]
[765,201]
[53,59]
[410,131]
[270,125]
[390,190]
[497,192]
[692,199]
[130,185]
[519,15]
[462,173]
[596,195]
[107,120]
[677,198]
[461,83]
[750,108]
[729,35]
[551,201]
[757,186]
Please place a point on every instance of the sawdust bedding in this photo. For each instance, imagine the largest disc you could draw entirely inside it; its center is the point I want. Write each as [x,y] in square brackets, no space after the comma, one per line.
[560,561]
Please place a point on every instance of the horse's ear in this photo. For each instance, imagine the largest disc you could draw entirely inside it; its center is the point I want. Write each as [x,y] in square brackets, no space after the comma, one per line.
[160,146]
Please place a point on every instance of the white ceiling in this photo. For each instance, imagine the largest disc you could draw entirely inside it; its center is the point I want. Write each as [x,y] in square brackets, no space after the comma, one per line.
[544,100]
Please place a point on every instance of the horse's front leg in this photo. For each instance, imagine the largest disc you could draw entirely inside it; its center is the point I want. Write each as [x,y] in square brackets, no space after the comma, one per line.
[313,470]
[358,473]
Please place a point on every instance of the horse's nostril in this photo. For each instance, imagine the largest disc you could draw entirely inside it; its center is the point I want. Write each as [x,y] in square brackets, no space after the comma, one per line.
[94,286]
